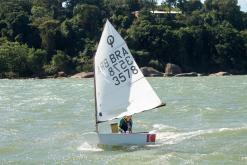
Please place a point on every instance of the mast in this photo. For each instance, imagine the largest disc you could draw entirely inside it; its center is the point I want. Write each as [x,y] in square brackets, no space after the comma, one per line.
[95,99]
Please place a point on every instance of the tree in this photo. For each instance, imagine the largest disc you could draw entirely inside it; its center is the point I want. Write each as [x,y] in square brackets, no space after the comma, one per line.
[243,35]
[43,36]
[158,39]
[189,6]
[73,37]
[15,15]
[226,10]
[61,61]
[83,15]
[229,48]
[195,48]
[49,29]
[13,58]
[170,4]
[36,59]
[54,7]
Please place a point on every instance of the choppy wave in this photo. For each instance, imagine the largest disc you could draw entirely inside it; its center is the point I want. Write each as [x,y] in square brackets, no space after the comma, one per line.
[49,122]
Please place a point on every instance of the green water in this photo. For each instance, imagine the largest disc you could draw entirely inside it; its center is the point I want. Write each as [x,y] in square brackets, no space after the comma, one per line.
[52,122]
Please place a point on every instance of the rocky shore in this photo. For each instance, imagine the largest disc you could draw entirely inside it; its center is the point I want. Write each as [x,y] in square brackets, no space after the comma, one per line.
[171,70]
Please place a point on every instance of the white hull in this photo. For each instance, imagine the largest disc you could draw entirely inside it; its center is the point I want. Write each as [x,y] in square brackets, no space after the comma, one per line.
[142,138]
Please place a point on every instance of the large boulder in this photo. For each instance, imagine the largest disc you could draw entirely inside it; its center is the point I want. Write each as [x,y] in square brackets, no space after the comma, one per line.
[61,74]
[151,72]
[192,74]
[220,74]
[83,75]
[172,69]
[9,75]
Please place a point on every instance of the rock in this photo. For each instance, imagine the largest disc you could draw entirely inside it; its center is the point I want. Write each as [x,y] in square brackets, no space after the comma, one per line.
[192,74]
[11,75]
[220,74]
[172,69]
[151,72]
[202,74]
[61,74]
[83,75]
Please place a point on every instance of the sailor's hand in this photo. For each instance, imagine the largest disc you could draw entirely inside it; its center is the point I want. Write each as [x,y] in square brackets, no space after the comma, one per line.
[120,130]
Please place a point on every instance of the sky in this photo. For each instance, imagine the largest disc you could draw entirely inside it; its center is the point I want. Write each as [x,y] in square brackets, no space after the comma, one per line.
[242,3]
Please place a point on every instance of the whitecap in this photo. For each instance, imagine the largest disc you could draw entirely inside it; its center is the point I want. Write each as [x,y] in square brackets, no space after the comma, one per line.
[162,127]
[89,147]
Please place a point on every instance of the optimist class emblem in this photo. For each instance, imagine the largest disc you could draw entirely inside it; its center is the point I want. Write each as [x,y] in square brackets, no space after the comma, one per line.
[110,40]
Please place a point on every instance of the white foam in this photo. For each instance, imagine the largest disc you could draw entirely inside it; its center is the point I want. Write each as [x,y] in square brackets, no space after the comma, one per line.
[90,142]
[232,129]
[177,137]
[162,127]
[87,147]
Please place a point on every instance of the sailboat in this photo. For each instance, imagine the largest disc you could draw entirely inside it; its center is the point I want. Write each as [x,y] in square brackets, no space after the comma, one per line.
[120,89]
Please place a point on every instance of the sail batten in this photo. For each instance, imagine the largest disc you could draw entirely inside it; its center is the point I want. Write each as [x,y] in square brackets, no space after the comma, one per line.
[121,88]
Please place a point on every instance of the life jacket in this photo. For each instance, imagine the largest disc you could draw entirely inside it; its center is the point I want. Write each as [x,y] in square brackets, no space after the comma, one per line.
[125,125]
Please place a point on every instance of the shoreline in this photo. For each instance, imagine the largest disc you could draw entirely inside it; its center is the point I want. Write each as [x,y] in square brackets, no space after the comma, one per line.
[154,76]
[171,70]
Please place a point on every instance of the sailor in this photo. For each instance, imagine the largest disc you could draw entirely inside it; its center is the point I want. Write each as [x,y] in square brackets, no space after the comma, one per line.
[125,124]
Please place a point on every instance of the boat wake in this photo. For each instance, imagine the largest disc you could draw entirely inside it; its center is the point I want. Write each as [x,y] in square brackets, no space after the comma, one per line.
[165,135]
[175,137]
[89,147]
[90,143]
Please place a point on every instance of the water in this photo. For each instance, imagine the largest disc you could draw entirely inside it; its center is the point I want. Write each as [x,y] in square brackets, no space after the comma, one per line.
[52,122]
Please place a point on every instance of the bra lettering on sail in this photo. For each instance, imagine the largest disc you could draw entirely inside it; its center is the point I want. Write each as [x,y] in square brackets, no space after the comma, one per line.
[118,66]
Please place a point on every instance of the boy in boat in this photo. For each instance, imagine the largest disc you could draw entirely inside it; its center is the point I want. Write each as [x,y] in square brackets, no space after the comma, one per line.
[125,124]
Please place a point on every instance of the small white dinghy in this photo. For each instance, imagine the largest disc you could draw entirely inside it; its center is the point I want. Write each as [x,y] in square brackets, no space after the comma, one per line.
[120,89]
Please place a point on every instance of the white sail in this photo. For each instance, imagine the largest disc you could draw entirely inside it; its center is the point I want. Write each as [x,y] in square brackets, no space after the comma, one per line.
[121,88]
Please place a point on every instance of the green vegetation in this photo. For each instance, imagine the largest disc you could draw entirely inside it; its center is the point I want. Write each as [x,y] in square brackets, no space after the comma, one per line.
[42,37]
